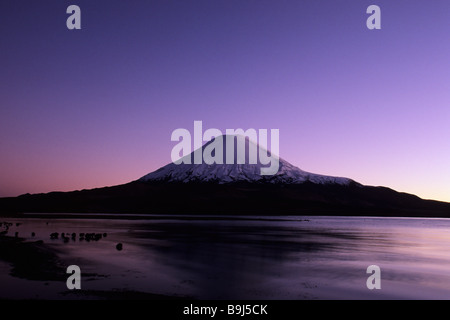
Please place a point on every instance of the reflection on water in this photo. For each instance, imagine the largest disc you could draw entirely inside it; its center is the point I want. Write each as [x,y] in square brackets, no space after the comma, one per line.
[247,257]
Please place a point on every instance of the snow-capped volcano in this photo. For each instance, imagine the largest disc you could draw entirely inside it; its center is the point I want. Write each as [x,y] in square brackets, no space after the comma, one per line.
[240,170]
[235,189]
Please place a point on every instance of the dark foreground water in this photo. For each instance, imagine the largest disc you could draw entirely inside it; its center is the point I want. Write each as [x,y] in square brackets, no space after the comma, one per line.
[244,257]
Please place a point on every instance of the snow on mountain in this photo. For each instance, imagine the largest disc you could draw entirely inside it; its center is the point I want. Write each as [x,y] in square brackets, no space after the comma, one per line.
[228,173]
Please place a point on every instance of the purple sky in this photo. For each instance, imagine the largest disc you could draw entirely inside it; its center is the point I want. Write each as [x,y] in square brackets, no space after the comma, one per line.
[95,107]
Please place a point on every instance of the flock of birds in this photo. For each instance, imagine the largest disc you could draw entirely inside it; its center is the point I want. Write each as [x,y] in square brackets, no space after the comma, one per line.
[65,236]
[82,236]
[6,226]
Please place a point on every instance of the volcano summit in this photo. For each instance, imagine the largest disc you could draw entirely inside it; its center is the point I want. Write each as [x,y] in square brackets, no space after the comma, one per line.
[244,165]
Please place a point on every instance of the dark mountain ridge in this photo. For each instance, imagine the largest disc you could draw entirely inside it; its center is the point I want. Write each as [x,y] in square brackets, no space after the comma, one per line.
[231,189]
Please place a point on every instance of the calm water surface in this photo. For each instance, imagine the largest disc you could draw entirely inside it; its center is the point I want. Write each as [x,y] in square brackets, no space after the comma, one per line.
[247,257]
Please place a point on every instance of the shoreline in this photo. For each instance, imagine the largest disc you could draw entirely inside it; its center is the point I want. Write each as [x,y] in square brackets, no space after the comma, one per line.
[38,262]
[31,260]
[212,216]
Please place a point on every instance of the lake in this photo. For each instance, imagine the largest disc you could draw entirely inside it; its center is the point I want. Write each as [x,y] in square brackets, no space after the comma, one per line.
[243,257]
